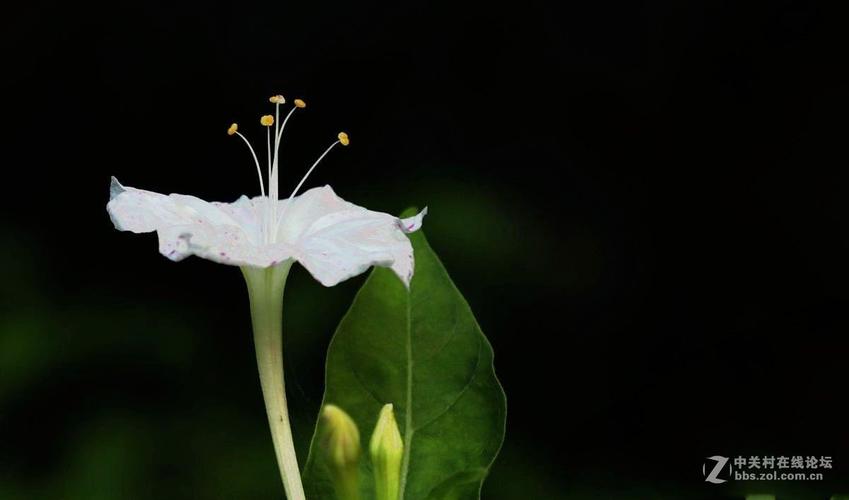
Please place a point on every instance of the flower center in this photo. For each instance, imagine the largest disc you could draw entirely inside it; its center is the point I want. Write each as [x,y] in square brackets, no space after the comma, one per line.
[271,219]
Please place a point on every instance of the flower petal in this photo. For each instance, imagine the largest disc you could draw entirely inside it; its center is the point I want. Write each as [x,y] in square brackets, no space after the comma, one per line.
[222,244]
[414,223]
[336,240]
[333,239]
[298,216]
[228,233]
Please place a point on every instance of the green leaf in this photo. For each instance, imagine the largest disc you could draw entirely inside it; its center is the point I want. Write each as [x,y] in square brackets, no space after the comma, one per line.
[421,350]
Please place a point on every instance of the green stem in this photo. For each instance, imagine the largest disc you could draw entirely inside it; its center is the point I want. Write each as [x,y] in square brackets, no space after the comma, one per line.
[265,288]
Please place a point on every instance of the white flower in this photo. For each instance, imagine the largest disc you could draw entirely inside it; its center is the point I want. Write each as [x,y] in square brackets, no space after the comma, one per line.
[332,238]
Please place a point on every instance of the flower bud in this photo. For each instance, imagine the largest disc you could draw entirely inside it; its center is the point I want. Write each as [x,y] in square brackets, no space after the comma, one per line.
[342,445]
[343,438]
[387,450]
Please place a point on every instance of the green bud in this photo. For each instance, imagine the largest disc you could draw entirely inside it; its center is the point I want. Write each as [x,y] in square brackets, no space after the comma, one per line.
[342,445]
[387,450]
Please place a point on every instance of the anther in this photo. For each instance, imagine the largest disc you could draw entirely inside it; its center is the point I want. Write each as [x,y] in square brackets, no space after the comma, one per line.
[267,120]
[277,99]
[233,129]
[299,103]
[343,138]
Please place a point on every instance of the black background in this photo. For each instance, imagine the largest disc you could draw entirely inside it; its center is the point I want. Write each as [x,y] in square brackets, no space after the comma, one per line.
[644,203]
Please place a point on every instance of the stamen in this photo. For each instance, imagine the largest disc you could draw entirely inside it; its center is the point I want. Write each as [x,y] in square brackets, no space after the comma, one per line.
[267,121]
[285,121]
[277,100]
[272,168]
[234,129]
[269,204]
[298,187]
[272,177]
[268,147]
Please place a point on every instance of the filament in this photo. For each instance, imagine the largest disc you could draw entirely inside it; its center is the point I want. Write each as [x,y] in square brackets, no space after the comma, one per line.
[256,161]
[298,187]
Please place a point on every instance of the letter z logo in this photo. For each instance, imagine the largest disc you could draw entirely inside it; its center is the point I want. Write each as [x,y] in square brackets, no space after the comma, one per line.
[713,477]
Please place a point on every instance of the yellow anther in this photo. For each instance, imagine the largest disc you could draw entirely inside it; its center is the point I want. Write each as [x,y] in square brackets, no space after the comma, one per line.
[343,138]
[299,103]
[233,129]
[267,120]
[277,99]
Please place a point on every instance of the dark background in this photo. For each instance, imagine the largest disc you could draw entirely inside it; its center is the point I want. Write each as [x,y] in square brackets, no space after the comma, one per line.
[645,204]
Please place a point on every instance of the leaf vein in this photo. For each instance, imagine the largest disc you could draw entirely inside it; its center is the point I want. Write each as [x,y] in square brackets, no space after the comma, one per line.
[450,338]
[459,394]
[362,384]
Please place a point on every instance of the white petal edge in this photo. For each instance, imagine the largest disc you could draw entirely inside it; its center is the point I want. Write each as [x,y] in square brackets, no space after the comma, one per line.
[414,223]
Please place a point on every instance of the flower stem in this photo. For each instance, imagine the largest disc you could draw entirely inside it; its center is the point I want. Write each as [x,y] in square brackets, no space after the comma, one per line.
[265,288]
